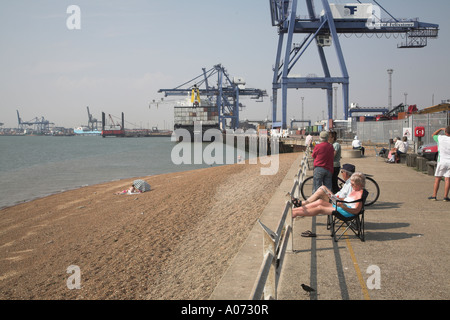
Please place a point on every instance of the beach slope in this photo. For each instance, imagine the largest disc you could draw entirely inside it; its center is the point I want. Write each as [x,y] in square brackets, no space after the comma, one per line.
[174,242]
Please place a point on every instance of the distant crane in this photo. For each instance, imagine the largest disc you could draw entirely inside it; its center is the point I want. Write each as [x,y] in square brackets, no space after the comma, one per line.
[226,94]
[335,19]
[92,122]
[39,125]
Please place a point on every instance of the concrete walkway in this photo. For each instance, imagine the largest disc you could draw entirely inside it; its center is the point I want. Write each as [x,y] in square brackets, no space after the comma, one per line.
[405,255]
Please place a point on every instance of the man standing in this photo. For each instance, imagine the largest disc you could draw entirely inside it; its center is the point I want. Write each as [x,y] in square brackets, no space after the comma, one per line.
[332,139]
[323,155]
[308,141]
[443,163]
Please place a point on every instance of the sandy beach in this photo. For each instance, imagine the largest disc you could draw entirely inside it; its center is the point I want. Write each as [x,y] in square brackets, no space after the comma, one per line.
[174,242]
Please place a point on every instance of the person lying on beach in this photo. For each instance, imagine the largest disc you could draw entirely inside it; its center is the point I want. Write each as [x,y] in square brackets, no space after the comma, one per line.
[130,190]
[357,180]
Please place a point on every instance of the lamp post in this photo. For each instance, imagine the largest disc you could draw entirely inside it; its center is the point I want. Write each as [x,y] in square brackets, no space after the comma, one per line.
[390,71]
[303,110]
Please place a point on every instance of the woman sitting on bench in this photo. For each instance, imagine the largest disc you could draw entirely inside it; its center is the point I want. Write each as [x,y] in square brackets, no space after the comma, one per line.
[358,181]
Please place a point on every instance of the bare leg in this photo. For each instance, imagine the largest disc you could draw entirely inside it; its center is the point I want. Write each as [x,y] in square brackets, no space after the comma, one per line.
[447,187]
[319,194]
[437,180]
[313,209]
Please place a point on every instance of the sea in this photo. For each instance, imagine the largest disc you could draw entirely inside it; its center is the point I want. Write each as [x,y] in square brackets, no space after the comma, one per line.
[32,167]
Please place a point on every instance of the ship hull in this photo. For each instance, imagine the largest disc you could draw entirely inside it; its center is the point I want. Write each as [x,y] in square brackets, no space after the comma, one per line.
[87,132]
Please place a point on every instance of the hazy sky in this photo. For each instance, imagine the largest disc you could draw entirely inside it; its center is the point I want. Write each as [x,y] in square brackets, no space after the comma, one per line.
[126,50]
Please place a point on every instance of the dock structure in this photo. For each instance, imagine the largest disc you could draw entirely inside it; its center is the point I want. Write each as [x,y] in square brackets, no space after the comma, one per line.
[114,130]
[221,101]
[323,30]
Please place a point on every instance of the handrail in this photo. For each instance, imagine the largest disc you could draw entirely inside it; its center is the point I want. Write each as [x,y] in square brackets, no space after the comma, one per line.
[274,247]
[275,244]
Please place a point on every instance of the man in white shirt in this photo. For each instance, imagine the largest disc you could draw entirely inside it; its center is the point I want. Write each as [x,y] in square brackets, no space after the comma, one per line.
[443,164]
[308,140]
[356,144]
[323,192]
[400,148]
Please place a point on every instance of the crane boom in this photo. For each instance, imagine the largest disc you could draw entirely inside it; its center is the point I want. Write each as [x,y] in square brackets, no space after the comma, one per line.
[351,18]
[225,96]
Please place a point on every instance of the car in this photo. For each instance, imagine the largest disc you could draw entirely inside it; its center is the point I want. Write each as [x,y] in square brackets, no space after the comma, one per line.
[428,151]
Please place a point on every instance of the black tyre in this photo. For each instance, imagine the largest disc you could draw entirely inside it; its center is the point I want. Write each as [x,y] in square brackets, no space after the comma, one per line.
[373,189]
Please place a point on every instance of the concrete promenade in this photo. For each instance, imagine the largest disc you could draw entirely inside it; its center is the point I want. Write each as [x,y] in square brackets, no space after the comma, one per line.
[406,250]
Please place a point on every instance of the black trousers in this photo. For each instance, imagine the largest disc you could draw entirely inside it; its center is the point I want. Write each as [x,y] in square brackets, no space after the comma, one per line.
[334,180]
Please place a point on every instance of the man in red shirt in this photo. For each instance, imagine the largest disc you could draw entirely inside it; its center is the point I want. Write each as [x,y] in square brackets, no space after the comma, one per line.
[323,155]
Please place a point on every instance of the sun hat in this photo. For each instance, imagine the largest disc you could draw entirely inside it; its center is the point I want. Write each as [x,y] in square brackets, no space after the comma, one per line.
[324,135]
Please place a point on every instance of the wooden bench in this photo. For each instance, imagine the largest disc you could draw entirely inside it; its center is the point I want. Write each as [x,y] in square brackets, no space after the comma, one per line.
[403,158]
[411,159]
[421,164]
[431,167]
[350,153]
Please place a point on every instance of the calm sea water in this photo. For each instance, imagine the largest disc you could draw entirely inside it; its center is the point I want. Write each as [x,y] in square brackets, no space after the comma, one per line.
[35,166]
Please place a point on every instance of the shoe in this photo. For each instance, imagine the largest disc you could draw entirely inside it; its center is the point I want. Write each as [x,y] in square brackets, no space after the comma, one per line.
[296,202]
[432,198]
[446,199]
[308,234]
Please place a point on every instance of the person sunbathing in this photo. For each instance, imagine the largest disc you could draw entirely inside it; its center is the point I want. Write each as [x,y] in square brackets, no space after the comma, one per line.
[130,190]
[324,207]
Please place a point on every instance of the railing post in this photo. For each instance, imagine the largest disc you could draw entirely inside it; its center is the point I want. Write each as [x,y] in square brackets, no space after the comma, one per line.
[269,249]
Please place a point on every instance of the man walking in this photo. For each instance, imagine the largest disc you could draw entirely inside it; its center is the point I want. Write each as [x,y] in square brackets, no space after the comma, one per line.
[443,163]
[323,155]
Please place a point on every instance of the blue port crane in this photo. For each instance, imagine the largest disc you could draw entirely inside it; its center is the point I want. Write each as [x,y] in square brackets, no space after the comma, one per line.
[225,95]
[335,19]
[40,125]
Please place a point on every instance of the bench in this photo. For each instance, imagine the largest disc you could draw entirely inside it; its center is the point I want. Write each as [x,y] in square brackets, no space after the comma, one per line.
[403,158]
[421,164]
[431,167]
[351,153]
[411,159]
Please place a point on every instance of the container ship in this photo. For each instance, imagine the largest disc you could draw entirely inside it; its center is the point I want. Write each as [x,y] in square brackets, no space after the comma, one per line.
[85,131]
[193,111]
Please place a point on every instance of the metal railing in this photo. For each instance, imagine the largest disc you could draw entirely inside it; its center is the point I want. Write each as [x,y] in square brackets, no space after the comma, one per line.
[275,244]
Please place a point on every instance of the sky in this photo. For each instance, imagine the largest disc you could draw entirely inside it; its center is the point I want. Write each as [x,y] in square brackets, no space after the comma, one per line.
[123,52]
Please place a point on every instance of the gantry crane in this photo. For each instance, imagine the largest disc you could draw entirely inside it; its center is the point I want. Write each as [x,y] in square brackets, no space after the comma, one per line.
[225,95]
[335,19]
[40,125]
[92,122]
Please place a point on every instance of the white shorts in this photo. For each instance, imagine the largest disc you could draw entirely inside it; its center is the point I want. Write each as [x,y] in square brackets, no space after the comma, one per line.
[442,170]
